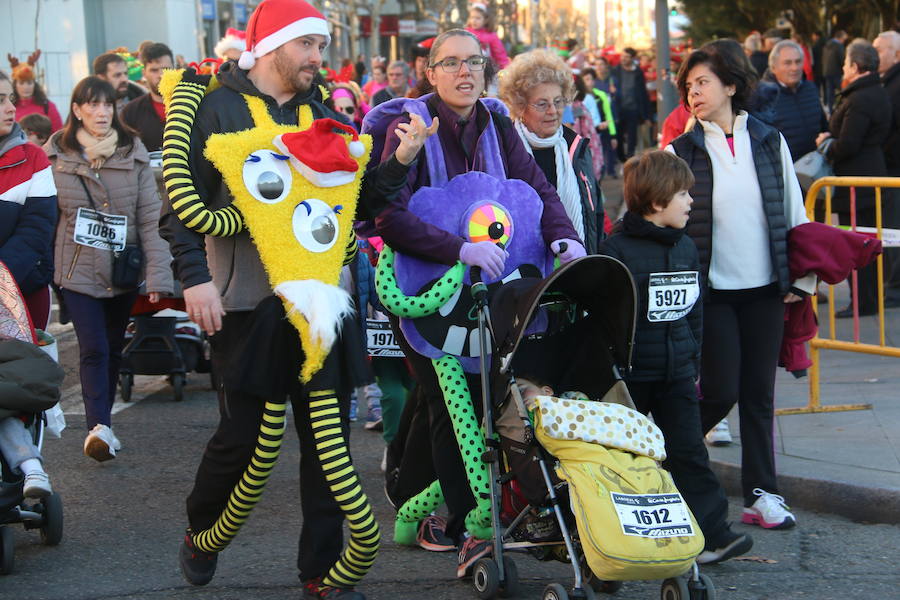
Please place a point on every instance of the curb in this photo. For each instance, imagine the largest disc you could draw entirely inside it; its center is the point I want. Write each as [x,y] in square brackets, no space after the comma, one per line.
[855,502]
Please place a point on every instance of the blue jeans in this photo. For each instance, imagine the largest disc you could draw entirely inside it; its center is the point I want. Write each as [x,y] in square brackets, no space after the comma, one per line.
[100,326]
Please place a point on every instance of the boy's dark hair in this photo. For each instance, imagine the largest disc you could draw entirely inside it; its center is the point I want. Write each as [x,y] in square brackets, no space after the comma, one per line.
[155,51]
[102,62]
[652,178]
[726,69]
[37,124]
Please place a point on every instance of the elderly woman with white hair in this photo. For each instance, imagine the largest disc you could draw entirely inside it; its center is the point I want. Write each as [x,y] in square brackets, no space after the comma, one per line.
[537,86]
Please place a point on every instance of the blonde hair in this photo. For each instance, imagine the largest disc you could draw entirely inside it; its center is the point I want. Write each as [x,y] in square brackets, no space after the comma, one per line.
[529,70]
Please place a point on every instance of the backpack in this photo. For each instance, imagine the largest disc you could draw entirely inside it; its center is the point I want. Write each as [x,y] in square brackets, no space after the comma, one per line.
[632,522]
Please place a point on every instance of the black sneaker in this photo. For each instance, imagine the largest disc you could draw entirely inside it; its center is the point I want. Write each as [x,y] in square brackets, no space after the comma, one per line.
[314,589]
[431,535]
[471,550]
[730,545]
[198,567]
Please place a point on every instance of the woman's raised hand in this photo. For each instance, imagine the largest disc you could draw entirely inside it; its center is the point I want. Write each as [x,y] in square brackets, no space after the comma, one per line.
[412,137]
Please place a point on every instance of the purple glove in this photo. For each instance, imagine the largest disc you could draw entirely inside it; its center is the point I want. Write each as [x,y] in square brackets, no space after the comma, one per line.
[486,255]
[573,250]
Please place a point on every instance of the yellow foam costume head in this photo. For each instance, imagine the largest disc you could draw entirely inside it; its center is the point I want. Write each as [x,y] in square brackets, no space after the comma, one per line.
[295,189]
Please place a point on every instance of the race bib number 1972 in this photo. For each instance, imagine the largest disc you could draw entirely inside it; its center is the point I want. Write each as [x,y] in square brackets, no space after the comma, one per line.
[671,295]
[653,515]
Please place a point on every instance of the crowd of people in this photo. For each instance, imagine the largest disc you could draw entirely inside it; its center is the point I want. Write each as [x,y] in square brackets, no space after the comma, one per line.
[713,195]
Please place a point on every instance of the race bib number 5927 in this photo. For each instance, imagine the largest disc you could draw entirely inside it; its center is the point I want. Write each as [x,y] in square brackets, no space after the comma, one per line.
[671,296]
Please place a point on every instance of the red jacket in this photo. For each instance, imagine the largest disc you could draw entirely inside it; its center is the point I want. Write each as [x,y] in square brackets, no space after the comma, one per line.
[831,254]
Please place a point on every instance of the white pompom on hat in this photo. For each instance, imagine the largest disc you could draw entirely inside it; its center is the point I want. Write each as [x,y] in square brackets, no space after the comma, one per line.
[322,155]
[234,39]
[275,23]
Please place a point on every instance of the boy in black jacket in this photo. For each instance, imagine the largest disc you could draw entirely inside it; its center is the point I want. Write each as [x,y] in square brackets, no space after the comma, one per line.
[650,241]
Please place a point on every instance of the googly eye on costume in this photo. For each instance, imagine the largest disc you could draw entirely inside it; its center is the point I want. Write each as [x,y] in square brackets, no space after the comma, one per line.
[490,223]
[315,225]
[267,176]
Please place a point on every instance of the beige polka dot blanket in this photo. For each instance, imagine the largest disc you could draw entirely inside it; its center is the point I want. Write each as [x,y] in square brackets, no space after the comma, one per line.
[610,425]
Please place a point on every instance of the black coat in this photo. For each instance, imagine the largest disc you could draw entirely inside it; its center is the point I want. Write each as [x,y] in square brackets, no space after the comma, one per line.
[891,82]
[860,126]
[589,188]
[663,350]
[799,117]
[833,58]
[140,116]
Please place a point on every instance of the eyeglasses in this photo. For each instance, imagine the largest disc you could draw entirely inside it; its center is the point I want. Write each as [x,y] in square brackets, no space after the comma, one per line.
[348,109]
[452,65]
[543,106]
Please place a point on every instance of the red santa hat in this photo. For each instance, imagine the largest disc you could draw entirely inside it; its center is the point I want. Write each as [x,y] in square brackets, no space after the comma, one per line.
[275,23]
[234,39]
[321,155]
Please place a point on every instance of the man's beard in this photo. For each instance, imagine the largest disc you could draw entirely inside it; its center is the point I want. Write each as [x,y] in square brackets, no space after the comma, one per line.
[290,73]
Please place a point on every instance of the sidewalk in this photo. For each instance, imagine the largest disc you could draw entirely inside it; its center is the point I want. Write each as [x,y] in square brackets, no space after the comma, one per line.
[845,463]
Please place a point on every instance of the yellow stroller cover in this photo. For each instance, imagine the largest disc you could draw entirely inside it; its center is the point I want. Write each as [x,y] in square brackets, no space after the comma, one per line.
[632,522]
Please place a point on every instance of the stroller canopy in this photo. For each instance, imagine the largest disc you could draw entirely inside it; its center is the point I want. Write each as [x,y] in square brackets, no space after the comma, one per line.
[599,295]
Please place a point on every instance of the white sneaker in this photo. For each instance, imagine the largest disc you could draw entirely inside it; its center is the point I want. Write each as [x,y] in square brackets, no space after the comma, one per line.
[100,444]
[720,435]
[769,511]
[37,485]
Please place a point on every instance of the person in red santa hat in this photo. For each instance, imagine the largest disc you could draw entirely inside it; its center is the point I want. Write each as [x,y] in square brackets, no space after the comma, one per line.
[225,284]
[232,44]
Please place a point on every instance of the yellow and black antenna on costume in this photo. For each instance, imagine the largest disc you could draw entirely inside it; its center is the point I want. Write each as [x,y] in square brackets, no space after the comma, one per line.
[296,227]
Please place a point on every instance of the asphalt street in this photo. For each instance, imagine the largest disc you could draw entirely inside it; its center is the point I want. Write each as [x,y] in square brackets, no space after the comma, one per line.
[125,519]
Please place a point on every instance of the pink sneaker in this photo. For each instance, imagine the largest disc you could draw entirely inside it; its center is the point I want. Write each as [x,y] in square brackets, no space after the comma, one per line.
[769,511]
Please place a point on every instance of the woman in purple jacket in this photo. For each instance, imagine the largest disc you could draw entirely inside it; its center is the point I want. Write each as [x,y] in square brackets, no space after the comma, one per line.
[466,130]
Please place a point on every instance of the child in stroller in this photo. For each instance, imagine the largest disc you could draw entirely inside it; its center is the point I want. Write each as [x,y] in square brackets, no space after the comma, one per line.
[589,308]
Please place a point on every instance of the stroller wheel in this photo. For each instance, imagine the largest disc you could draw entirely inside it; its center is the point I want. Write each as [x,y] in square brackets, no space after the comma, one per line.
[704,591]
[510,587]
[52,527]
[675,588]
[178,385]
[555,591]
[598,585]
[7,551]
[126,382]
[486,578]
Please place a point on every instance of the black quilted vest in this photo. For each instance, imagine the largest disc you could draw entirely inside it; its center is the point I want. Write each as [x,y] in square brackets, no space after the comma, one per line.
[765,143]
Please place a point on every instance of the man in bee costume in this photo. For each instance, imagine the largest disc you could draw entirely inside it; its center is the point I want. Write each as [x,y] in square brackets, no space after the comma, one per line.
[264,183]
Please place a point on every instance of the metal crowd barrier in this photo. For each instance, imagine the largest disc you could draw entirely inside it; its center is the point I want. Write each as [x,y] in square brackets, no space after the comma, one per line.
[831,342]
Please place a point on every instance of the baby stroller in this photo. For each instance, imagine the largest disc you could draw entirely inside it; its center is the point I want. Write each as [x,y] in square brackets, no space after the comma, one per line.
[45,515]
[589,308]
[165,343]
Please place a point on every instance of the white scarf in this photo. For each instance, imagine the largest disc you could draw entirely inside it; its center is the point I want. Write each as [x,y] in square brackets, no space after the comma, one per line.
[566,184]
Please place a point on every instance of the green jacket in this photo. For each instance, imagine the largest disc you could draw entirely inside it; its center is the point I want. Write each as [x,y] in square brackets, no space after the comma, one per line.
[606,107]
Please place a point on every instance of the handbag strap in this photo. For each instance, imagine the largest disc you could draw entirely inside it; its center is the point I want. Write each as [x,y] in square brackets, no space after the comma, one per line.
[88,192]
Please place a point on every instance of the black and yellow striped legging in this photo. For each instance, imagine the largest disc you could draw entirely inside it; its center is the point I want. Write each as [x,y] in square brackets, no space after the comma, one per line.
[334,457]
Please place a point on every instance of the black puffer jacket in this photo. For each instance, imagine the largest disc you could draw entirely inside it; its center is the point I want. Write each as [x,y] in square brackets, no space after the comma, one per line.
[860,125]
[663,350]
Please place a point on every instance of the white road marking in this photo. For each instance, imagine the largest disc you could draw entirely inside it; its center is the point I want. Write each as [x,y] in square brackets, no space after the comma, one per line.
[144,385]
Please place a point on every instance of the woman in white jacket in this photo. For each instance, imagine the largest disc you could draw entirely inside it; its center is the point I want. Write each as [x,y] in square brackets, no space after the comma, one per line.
[746,199]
